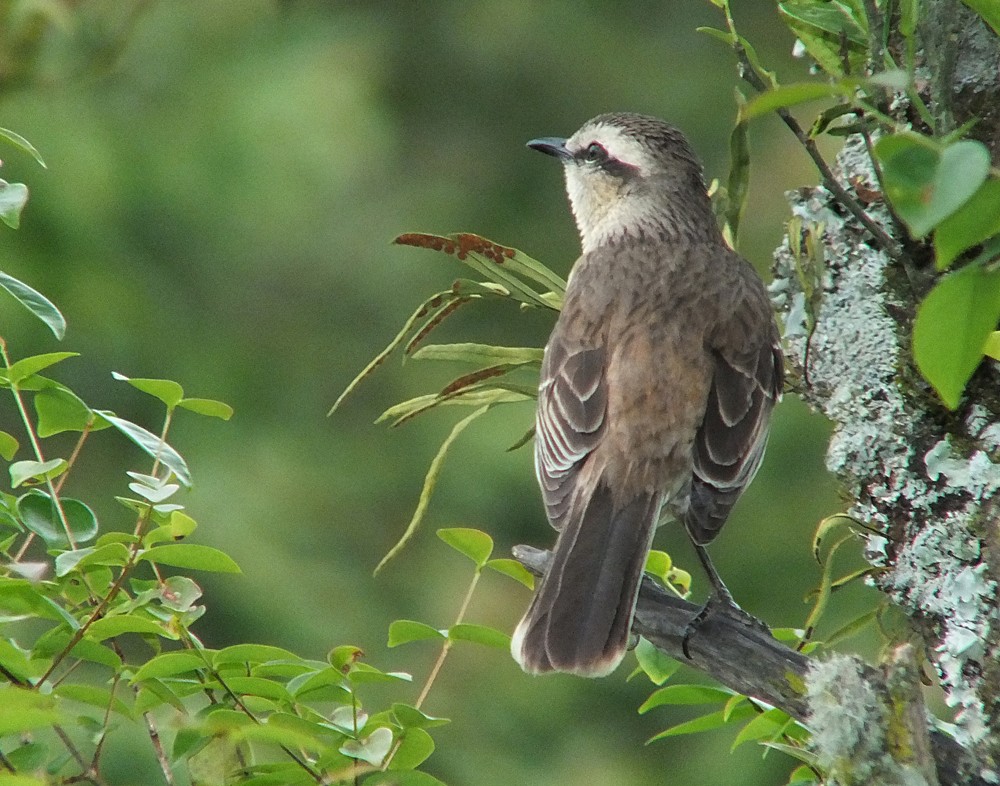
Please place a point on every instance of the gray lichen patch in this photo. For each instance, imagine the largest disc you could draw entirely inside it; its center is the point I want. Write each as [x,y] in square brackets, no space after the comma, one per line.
[917,474]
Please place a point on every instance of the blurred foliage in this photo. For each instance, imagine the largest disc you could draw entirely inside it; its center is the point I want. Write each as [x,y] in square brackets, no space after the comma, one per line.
[224,180]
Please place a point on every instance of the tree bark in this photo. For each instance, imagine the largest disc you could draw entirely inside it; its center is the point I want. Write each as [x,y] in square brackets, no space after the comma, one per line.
[738,651]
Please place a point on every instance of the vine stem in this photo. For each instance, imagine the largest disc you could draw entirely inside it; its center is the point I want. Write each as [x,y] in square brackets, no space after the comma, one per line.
[37,448]
[442,656]
[885,242]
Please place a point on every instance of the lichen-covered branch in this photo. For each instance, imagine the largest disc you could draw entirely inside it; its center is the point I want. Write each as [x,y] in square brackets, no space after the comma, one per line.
[847,703]
[925,478]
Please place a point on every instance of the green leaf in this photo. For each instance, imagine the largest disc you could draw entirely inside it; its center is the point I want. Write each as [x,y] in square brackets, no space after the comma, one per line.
[977,220]
[989,10]
[767,724]
[252,654]
[480,634]
[37,471]
[409,717]
[714,720]
[94,696]
[513,569]
[207,406]
[371,749]
[685,694]
[60,409]
[473,543]
[257,686]
[405,631]
[111,555]
[21,143]
[58,639]
[119,624]
[402,778]
[40,515]
[480,354]
[36,303]
[952,327]
[479,396]
[152,445]
[825,586]
[436,302]
[926,182]
[27,367]
[415,746]
[786,96]
[170,664]
[166,390]
[992,346]
[191,556]
[430,481]
[8,446]
[13,198]
[657,666]
[24,710]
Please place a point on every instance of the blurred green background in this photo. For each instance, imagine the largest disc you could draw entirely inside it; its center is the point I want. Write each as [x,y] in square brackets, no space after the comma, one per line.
[225,179]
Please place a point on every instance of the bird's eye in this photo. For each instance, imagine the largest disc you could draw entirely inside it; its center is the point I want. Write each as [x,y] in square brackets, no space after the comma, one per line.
[595,153]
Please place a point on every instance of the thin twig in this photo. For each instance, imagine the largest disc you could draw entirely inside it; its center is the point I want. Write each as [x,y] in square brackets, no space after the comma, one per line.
[885,242]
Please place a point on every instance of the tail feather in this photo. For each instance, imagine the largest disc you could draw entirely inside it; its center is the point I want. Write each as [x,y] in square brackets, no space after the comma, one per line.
[581,615]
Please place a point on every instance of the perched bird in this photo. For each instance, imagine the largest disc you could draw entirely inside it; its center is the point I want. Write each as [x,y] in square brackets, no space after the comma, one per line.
[656,387]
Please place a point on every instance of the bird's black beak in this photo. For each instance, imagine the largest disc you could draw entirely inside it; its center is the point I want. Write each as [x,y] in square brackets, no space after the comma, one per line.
[552,146]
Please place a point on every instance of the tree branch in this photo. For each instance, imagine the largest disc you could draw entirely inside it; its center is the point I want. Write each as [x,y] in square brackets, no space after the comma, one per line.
[738,651]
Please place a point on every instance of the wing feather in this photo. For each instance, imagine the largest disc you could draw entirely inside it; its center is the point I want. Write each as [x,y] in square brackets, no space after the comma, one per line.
[572,402]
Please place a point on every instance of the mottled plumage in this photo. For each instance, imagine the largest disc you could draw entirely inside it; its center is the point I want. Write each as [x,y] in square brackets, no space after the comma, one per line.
[656,388]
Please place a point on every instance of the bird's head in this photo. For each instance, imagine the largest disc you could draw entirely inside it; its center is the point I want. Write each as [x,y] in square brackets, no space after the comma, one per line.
[629,175]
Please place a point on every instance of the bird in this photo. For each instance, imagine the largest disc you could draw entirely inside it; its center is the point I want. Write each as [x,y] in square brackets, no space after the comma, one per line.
[656,387]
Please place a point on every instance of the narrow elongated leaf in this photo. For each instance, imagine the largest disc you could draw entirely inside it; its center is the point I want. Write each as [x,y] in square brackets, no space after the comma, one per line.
[473,543]
[433,302]
[713,720]
[480,354]
[36,303]
[767,724]
[21,143]
[430,481]
[952,327]
[152,445]
[192,556]
[685,694]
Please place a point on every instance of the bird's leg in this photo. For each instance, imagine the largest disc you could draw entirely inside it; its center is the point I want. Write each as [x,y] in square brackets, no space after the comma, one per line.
[720,598]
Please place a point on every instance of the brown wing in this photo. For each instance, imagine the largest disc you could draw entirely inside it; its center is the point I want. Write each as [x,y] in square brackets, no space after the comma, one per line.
[572,400]
[729,445]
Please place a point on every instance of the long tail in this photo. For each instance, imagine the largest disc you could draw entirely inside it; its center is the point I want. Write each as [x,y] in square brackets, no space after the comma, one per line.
[580,617]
